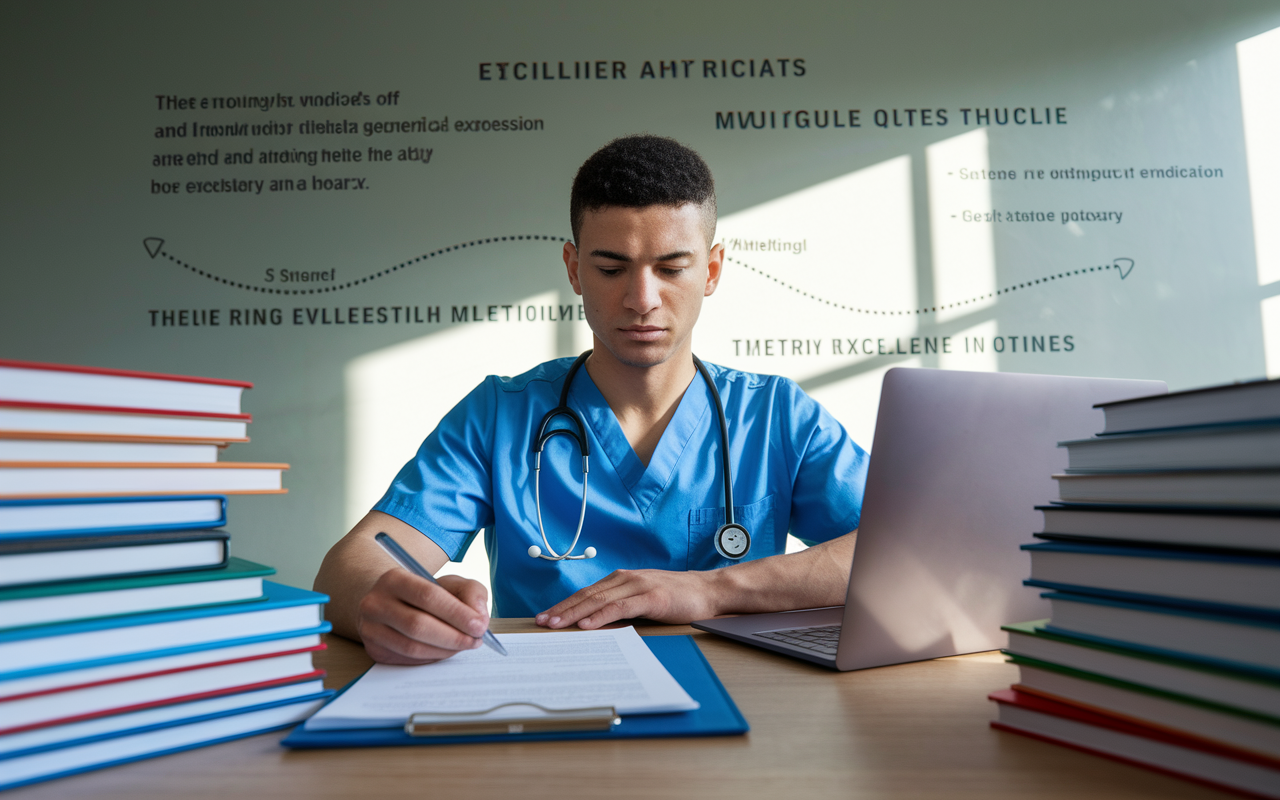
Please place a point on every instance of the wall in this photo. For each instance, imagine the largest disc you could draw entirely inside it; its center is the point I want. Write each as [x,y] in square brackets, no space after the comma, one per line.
[885,202]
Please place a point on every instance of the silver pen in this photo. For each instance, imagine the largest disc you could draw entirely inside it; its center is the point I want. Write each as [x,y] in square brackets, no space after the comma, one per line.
[407,561]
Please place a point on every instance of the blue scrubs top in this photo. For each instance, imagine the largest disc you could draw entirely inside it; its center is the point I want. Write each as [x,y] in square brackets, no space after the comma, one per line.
[794,469]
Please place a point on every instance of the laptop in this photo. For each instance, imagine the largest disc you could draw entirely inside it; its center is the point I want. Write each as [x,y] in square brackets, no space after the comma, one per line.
[958,464]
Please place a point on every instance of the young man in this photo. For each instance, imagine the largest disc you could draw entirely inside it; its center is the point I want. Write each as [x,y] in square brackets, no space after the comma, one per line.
[643,213]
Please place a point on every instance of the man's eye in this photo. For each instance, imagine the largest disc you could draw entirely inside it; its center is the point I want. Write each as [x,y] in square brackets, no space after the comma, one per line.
[672,272]
[611,270]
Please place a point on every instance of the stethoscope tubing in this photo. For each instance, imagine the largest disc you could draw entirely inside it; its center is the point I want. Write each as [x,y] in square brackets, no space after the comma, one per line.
[579,433]
[724,441]
[582,514]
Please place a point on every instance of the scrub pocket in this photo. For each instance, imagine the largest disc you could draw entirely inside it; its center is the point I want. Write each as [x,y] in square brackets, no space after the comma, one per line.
[757,518]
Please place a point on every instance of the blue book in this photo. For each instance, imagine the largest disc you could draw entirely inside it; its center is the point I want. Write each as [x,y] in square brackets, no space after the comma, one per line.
[1245,644]
[716,716]
[1220,583]
[40,649]
[254,713]
[79,516]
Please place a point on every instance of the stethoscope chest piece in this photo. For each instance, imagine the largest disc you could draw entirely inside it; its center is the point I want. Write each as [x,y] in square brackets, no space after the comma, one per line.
[732,541]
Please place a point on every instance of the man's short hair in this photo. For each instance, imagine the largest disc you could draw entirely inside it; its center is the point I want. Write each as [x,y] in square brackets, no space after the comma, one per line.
[639,171]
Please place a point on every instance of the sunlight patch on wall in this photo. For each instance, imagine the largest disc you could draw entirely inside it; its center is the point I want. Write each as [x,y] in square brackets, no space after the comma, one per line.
[794,261]
[964,254]
[1259,61]
[1271,334]
[973,349]
[397,395]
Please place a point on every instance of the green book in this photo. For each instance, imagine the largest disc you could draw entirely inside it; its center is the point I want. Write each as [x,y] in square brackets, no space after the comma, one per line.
[1180,680]
[240,581]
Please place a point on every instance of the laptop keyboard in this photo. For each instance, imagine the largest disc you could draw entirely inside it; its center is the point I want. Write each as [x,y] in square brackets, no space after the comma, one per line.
[822,639]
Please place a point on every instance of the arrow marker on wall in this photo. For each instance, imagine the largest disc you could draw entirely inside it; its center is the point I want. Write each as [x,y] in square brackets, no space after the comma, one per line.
[155,245]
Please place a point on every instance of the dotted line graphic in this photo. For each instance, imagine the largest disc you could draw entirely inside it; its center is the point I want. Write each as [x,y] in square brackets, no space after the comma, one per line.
[1122,265]
[155,247]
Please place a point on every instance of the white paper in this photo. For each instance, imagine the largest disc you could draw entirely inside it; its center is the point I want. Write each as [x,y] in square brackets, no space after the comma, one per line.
[562,670]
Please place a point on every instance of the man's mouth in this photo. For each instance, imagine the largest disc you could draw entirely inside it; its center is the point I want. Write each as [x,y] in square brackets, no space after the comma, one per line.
[643,333]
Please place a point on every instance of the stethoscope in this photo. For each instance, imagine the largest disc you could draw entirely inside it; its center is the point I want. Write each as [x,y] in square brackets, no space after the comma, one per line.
[731,540]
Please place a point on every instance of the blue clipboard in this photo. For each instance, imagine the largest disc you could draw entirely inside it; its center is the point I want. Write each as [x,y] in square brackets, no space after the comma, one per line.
[717,716]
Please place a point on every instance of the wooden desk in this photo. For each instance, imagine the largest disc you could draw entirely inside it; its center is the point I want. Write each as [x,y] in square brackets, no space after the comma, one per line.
[915,730]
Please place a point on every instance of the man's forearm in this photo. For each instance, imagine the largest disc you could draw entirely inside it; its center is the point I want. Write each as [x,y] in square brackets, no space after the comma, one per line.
[354,564]
[818,576]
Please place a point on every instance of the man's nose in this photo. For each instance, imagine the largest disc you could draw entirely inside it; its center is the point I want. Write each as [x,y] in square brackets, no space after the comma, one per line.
[642,292]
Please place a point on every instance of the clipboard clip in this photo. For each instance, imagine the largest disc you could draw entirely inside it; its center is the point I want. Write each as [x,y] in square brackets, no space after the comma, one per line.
[509,718]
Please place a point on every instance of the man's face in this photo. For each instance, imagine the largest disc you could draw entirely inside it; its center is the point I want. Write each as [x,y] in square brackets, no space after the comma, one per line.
[642,274]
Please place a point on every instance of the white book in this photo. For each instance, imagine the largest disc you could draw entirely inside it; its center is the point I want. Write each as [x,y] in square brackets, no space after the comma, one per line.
[74,450]
[1254,488]
[85,643]
[25,519]
[558,671]
[65,607]
[1210,447]
[34,382]
[145,743]
[48,559]
[20,419]
[1232,642]
[1218,578]
[1154,525]
[63,479]
[1235,402]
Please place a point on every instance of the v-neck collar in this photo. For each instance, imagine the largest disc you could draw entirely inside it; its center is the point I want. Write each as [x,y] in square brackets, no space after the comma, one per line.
[643,483]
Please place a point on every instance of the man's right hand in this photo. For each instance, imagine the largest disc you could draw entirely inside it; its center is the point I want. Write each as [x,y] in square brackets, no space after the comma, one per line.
[401,618]
[405,619]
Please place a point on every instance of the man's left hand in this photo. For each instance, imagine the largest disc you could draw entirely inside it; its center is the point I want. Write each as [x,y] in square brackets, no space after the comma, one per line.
[659,595]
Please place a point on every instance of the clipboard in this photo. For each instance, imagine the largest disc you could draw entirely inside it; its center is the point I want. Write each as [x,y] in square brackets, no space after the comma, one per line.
[717,716]
[512,718]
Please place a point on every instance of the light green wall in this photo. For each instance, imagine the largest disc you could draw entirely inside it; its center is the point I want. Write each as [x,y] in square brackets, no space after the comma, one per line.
[1144,84]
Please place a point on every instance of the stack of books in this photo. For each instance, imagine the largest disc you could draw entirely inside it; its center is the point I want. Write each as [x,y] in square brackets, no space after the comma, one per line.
[127,630]
[1162,565]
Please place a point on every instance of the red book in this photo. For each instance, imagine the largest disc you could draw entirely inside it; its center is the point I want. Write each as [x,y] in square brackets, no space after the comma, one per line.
[32,384]
[68,704]
[1156,749]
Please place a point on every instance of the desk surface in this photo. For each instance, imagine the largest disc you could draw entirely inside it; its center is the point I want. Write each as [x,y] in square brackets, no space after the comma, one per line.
[914,730]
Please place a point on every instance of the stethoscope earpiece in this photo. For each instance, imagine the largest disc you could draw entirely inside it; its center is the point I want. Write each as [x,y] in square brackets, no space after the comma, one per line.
[731,540]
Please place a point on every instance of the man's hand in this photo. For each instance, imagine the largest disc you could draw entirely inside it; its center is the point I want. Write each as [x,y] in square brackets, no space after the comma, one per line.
[813,578]
[401,618]
[407,620]
[626,594]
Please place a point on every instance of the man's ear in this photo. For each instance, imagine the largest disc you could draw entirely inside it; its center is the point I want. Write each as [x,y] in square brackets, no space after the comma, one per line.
[715,264]
[571,264]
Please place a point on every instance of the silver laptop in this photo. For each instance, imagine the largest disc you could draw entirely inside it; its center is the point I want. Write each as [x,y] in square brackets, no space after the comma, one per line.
[958,464]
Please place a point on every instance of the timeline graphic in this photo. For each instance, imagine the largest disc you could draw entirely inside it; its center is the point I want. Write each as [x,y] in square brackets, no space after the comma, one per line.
[1121,266]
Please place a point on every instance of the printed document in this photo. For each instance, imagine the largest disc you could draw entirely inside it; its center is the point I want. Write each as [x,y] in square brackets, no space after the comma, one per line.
[561,670]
